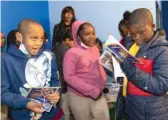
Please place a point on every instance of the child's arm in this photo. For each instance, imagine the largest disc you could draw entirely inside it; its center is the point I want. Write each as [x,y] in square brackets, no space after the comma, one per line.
[157,83]
[54,73]
[12,99]
[69,68]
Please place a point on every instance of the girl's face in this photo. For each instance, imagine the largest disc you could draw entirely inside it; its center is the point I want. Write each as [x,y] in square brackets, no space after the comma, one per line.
[87,35]
[68,16]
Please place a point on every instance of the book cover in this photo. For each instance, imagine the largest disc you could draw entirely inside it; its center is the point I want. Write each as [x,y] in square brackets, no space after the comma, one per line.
[38,95]
[119,51]
[106,60]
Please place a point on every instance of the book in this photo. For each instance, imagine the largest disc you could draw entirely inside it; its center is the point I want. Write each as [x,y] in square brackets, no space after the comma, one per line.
[106,60]
[112,90]
[119,51]
[38,95]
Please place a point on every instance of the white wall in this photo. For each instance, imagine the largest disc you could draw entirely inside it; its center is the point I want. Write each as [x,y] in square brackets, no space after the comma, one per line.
[104,15]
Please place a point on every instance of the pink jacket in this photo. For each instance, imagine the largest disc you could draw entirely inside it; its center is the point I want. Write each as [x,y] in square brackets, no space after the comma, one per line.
[82,71]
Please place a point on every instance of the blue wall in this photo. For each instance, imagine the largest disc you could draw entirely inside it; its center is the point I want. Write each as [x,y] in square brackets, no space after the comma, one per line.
[13,12]
[165,16]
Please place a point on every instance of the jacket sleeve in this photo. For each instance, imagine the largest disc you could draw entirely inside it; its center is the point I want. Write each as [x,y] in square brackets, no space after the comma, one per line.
[54,73]
[73,80]
[54,39]
[157,83]
[13,100]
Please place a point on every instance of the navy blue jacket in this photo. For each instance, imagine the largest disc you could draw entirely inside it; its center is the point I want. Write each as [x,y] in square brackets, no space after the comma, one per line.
[13,77]
[149,107]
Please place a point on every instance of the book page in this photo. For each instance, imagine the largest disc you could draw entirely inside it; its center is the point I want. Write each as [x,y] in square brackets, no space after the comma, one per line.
[106,60]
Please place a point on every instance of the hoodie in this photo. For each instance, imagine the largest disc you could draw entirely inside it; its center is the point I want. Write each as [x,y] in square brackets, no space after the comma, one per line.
[16,81]
[82,71]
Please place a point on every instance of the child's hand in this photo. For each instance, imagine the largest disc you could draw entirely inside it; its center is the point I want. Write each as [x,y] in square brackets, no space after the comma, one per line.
[35,107]
[53,98]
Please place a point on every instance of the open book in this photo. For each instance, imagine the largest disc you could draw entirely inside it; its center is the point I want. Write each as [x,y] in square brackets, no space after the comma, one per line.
[106,60]
[38,95]
[119,51]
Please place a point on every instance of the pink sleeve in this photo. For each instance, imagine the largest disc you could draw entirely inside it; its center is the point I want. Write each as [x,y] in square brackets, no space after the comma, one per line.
[69,68]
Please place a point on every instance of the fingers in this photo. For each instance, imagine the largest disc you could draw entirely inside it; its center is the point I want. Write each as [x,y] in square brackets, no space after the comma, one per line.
[38,110]
[40,105]
[35,107]
[53,98]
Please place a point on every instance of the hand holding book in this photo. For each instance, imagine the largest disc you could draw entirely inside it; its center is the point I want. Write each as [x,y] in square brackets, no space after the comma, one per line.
[53,98]
[47,96]
[35,106]
[119,51]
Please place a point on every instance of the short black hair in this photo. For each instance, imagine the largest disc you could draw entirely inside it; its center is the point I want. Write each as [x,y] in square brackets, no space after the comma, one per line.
[123,24]
[68,34]
[141,15]
[11,38]
[24,24]
[81,27]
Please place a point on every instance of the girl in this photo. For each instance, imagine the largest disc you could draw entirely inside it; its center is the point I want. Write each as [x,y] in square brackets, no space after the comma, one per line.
[85,77]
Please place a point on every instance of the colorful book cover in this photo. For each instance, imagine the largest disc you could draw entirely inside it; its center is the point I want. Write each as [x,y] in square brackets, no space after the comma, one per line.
[119,51]
[38,95]
[106,60]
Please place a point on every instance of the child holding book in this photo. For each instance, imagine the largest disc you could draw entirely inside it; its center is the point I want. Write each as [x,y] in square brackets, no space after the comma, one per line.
[28,66]
[85,76]
[60,51]
[147,82]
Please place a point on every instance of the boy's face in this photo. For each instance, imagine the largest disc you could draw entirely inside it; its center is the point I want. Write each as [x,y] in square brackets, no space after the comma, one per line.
[141,33]
[2,40]
[88,36]
[70,43]
[33,38]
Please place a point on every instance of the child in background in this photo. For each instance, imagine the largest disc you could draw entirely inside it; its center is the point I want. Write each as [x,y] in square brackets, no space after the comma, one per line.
[60,51]
[85,76]
[2,40]
[4,108]
[124,32]
[148,82]
[99,45]
[123,27]
[28,66]
[11,39]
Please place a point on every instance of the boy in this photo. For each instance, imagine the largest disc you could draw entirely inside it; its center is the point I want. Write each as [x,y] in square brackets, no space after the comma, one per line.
[148,82]
[60,51]
[28,66]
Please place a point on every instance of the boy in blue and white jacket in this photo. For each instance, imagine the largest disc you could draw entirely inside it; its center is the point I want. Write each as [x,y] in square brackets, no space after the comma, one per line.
[28,66]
